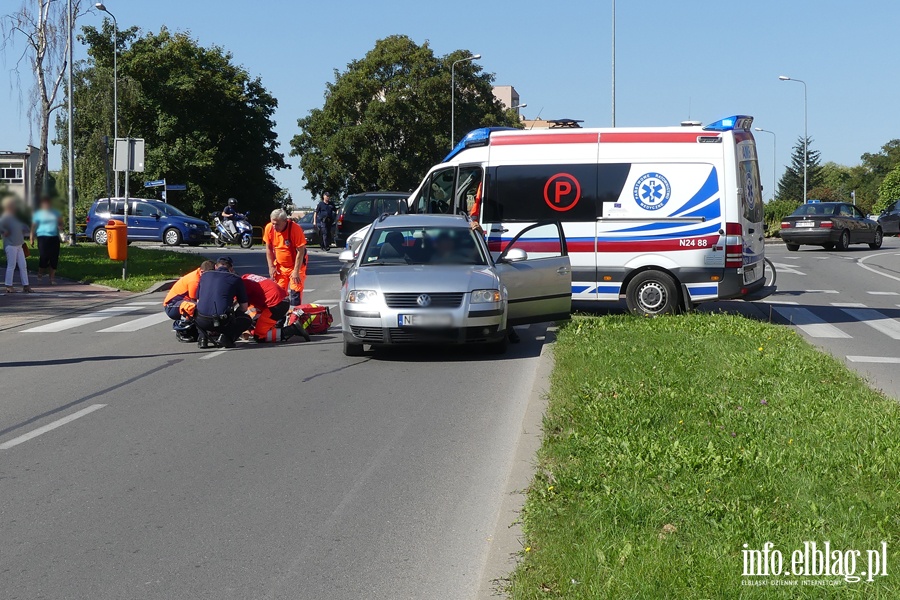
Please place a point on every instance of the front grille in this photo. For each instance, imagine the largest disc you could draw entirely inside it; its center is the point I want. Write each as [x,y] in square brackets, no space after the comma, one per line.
[438,300]
[371,334]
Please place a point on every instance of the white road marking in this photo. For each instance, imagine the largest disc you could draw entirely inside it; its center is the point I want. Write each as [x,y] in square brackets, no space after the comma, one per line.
[821,292]
[884,293]
[848,304]
[137,324]
[877,321]
[809,323]
[50,426]
[328,302]
[214,354]
[873,269]
[783,268]
[770,301]
[145,303]
[74,322]
[874,359]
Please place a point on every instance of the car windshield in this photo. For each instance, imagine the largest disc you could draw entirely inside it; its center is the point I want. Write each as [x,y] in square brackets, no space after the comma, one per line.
[174,212]
[817,209]
[424,246]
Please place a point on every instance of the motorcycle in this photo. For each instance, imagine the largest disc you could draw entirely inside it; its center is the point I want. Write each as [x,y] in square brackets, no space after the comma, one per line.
[222,234]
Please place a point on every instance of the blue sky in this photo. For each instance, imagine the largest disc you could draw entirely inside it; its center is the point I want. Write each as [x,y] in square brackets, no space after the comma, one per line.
[700,58]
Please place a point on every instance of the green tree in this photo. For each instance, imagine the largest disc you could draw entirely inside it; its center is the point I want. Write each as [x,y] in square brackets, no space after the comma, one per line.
[386,118]
[866,177]
[790,187]
[889,190]
[206,122]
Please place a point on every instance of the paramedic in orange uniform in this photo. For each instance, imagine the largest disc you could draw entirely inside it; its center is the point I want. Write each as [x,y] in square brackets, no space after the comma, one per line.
[286,254]
[184,292]
[269,303]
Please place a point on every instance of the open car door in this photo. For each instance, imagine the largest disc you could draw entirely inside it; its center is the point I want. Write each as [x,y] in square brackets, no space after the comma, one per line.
[536,272]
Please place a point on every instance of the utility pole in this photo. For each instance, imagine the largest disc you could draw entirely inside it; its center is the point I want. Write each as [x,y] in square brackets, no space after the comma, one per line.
[71,116]
[613,63]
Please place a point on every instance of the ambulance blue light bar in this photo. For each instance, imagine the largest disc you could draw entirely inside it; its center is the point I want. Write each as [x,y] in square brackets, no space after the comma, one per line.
[741,122]
[476,137]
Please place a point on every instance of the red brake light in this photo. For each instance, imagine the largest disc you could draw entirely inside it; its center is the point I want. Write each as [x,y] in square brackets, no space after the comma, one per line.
[785,224]
[734,246]
[826,224]
[340,220]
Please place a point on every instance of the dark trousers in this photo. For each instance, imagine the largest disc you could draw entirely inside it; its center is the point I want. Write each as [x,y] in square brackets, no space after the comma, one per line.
[48,247]
[325,234]
[278,311]
[232,327]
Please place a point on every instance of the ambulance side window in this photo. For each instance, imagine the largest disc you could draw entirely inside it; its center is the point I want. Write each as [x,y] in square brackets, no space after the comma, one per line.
[468,189]
[436,195]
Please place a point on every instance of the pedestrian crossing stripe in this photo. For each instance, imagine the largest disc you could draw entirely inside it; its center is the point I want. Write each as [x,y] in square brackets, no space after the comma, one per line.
[94,317]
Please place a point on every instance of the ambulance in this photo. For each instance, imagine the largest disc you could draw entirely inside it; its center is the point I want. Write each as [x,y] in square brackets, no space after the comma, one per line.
[665,217]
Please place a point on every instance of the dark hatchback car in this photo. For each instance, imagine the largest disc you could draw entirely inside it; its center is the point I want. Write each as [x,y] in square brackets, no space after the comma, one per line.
[360,210]
[830,225]
[889,219]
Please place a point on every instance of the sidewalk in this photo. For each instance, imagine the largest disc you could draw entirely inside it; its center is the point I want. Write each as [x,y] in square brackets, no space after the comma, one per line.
[60,300]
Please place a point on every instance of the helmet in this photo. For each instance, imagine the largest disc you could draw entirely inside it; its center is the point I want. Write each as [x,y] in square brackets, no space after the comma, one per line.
[232,201]
[185,330]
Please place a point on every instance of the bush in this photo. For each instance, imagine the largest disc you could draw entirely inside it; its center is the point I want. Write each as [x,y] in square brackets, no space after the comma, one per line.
[888,191]
[775,211]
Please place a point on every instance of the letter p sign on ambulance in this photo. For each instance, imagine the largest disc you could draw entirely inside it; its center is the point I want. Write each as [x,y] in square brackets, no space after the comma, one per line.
[562,192]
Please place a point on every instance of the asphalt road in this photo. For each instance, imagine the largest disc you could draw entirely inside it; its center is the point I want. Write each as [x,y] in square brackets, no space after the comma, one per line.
[847,303]
[283,471]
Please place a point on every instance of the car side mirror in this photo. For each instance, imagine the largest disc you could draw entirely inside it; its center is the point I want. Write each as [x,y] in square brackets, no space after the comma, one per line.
[156,216]
[346,256]
[514,255]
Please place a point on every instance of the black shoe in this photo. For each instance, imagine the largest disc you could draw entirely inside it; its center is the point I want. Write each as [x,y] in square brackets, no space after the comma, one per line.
[225,341]
[202,343]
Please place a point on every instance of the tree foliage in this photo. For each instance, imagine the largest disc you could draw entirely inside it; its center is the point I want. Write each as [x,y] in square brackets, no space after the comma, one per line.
[386,118]
[206,122]
[790,187]
[43,26]
[889,190]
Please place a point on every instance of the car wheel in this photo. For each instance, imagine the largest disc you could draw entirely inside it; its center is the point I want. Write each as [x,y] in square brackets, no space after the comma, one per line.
[100,236]
[172,237]
[499,347]
[879,238]
[844,241]
[828,246]
[652,293]
[351,349]
[246,242]
[792,247]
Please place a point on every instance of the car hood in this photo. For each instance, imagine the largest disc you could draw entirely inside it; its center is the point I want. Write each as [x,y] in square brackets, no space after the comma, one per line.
[424,278]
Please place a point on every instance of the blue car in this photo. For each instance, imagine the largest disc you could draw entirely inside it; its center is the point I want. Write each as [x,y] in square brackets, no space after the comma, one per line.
[148,220]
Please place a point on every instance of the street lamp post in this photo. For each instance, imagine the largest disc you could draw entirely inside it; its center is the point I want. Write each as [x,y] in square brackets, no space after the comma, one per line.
[805,129]
[70,18]
[613,63]
[453,96]
[102,7]
[774,162]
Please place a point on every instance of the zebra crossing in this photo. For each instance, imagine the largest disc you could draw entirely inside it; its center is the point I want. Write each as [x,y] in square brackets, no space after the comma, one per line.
[822,322]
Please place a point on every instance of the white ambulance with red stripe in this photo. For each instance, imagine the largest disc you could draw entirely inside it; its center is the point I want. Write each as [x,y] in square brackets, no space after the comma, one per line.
[666,217]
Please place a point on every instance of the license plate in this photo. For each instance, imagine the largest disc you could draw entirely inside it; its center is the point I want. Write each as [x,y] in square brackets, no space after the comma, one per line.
[805,224]
[750,274]
[425,320]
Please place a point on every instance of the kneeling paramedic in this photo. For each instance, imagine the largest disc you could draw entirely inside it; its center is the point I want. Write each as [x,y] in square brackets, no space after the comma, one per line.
[217,294]
[268,301]
[286,255]
[181,300]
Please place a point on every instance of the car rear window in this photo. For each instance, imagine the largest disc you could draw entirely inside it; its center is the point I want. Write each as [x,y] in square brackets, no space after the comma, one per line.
[101,208]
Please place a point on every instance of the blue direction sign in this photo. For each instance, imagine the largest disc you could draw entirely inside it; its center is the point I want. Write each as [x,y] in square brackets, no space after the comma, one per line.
[176,187]
[157,183]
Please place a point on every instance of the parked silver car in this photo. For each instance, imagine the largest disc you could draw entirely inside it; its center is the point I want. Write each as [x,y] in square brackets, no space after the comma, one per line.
[430,279]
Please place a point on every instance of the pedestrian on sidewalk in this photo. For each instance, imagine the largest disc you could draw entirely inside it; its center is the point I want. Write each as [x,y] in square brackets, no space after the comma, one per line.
[45,226]
[13,232]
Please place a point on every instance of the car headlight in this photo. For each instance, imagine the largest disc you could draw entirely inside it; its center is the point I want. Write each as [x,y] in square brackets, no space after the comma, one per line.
[485,296]
[192,225]
[362,296]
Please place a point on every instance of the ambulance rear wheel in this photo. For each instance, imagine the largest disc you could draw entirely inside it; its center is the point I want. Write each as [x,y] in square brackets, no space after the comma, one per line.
[652,293]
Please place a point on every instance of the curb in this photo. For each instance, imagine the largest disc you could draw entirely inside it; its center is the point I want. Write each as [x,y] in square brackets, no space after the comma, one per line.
[505,542]
[160,286]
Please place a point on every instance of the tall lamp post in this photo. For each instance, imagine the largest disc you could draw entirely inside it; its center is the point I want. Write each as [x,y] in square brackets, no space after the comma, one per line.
[70,18]
[774,162]
[613,63]
[805,129]
[102,7]
[453,96]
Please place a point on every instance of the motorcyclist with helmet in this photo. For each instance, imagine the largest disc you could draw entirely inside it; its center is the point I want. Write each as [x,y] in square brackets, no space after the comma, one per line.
[230,215]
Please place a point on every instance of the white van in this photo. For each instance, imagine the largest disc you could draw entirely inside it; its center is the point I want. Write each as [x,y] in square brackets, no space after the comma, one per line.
[666,217]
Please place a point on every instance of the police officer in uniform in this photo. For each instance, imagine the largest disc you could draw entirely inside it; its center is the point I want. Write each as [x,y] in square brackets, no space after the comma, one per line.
[218,292]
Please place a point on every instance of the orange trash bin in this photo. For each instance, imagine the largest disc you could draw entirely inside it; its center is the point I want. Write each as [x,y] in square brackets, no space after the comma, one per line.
[117,240]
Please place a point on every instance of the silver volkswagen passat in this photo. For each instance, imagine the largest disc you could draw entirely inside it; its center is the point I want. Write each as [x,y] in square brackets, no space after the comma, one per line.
[423,279]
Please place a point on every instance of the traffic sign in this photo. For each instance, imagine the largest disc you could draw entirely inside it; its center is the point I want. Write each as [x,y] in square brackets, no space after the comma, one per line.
[157,183]
[176,187]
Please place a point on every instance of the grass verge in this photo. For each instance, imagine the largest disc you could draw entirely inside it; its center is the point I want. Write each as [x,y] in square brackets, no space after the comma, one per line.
[670,443]
[90,263]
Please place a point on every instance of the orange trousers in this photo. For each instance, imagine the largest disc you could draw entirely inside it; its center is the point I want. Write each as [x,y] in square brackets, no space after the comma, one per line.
[295,290]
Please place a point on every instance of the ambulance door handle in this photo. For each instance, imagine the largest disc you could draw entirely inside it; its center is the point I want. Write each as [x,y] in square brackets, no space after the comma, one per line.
[499,230]
[563,270]
[752,231]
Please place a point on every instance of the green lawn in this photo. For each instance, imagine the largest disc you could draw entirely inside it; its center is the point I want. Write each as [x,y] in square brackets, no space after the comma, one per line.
[90,263]
[669,443]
